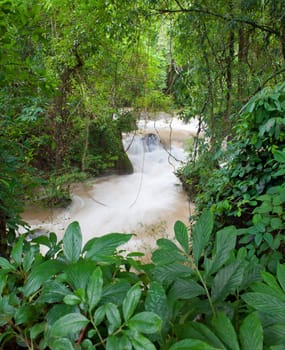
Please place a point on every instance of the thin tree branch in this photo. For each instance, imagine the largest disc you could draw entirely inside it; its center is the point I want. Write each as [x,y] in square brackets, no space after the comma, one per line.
[249,22]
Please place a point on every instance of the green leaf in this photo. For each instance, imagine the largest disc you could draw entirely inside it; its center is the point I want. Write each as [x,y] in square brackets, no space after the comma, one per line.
[131,301]
[94,288]
[227,280]
[72,242]
[281,275]
[140,342]
[115,293]
[201,234]
[275,334]
[224,329]
[185,289]
[279,156]
[276,223]
[251,333]
[100,247]
[99,314]
[58,310]
[267,304]
[71,299]
[37,329]
[225,243]
[199,331]
[61,344]
[156,301]
[17,250]
[113,316]
[6,265]
[191,344]
[79,273]
[145,322]
[25,314]
[53,292]
[68,325]
[166,274]
[181,234]
[112,343]
[167,256]
[124,343]
[40,274]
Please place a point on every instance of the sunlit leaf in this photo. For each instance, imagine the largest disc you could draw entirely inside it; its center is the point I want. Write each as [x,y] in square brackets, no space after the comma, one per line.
[99,247]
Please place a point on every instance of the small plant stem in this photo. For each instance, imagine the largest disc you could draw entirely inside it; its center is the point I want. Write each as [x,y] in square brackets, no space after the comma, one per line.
[204,286]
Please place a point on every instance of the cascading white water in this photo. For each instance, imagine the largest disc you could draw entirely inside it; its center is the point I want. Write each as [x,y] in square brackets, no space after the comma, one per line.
[147,202]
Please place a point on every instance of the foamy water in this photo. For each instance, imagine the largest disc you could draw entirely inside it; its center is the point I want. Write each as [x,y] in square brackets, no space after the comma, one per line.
[147,202]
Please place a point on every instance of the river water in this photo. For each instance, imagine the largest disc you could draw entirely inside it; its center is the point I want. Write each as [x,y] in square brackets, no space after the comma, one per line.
[146,203]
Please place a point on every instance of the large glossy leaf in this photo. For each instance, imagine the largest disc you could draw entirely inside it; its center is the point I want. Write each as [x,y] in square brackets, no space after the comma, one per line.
[94,288]
[227,280]
[201,234]
[145,322]
[225,242]
[100,247]
[40,274]
[72,242]
[251,333]
[267,304]
[191,344]
[131,301]
[69,324]
[113,317]
[181,234]
[224,329]
[185,289]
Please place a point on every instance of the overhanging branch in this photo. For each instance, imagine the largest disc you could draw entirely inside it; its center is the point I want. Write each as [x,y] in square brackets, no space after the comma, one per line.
[227,18]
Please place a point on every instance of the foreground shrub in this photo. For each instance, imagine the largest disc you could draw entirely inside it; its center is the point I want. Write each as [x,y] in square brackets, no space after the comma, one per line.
[197,293]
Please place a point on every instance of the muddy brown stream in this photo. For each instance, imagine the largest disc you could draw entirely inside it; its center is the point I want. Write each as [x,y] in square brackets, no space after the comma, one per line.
[146,203]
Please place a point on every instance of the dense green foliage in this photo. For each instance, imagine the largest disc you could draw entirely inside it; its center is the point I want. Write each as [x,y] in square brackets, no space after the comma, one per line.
[74,76]
[193,295]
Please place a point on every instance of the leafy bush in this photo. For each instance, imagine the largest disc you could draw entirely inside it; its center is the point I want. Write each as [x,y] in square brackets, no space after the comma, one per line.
[251,164]
[195,294]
